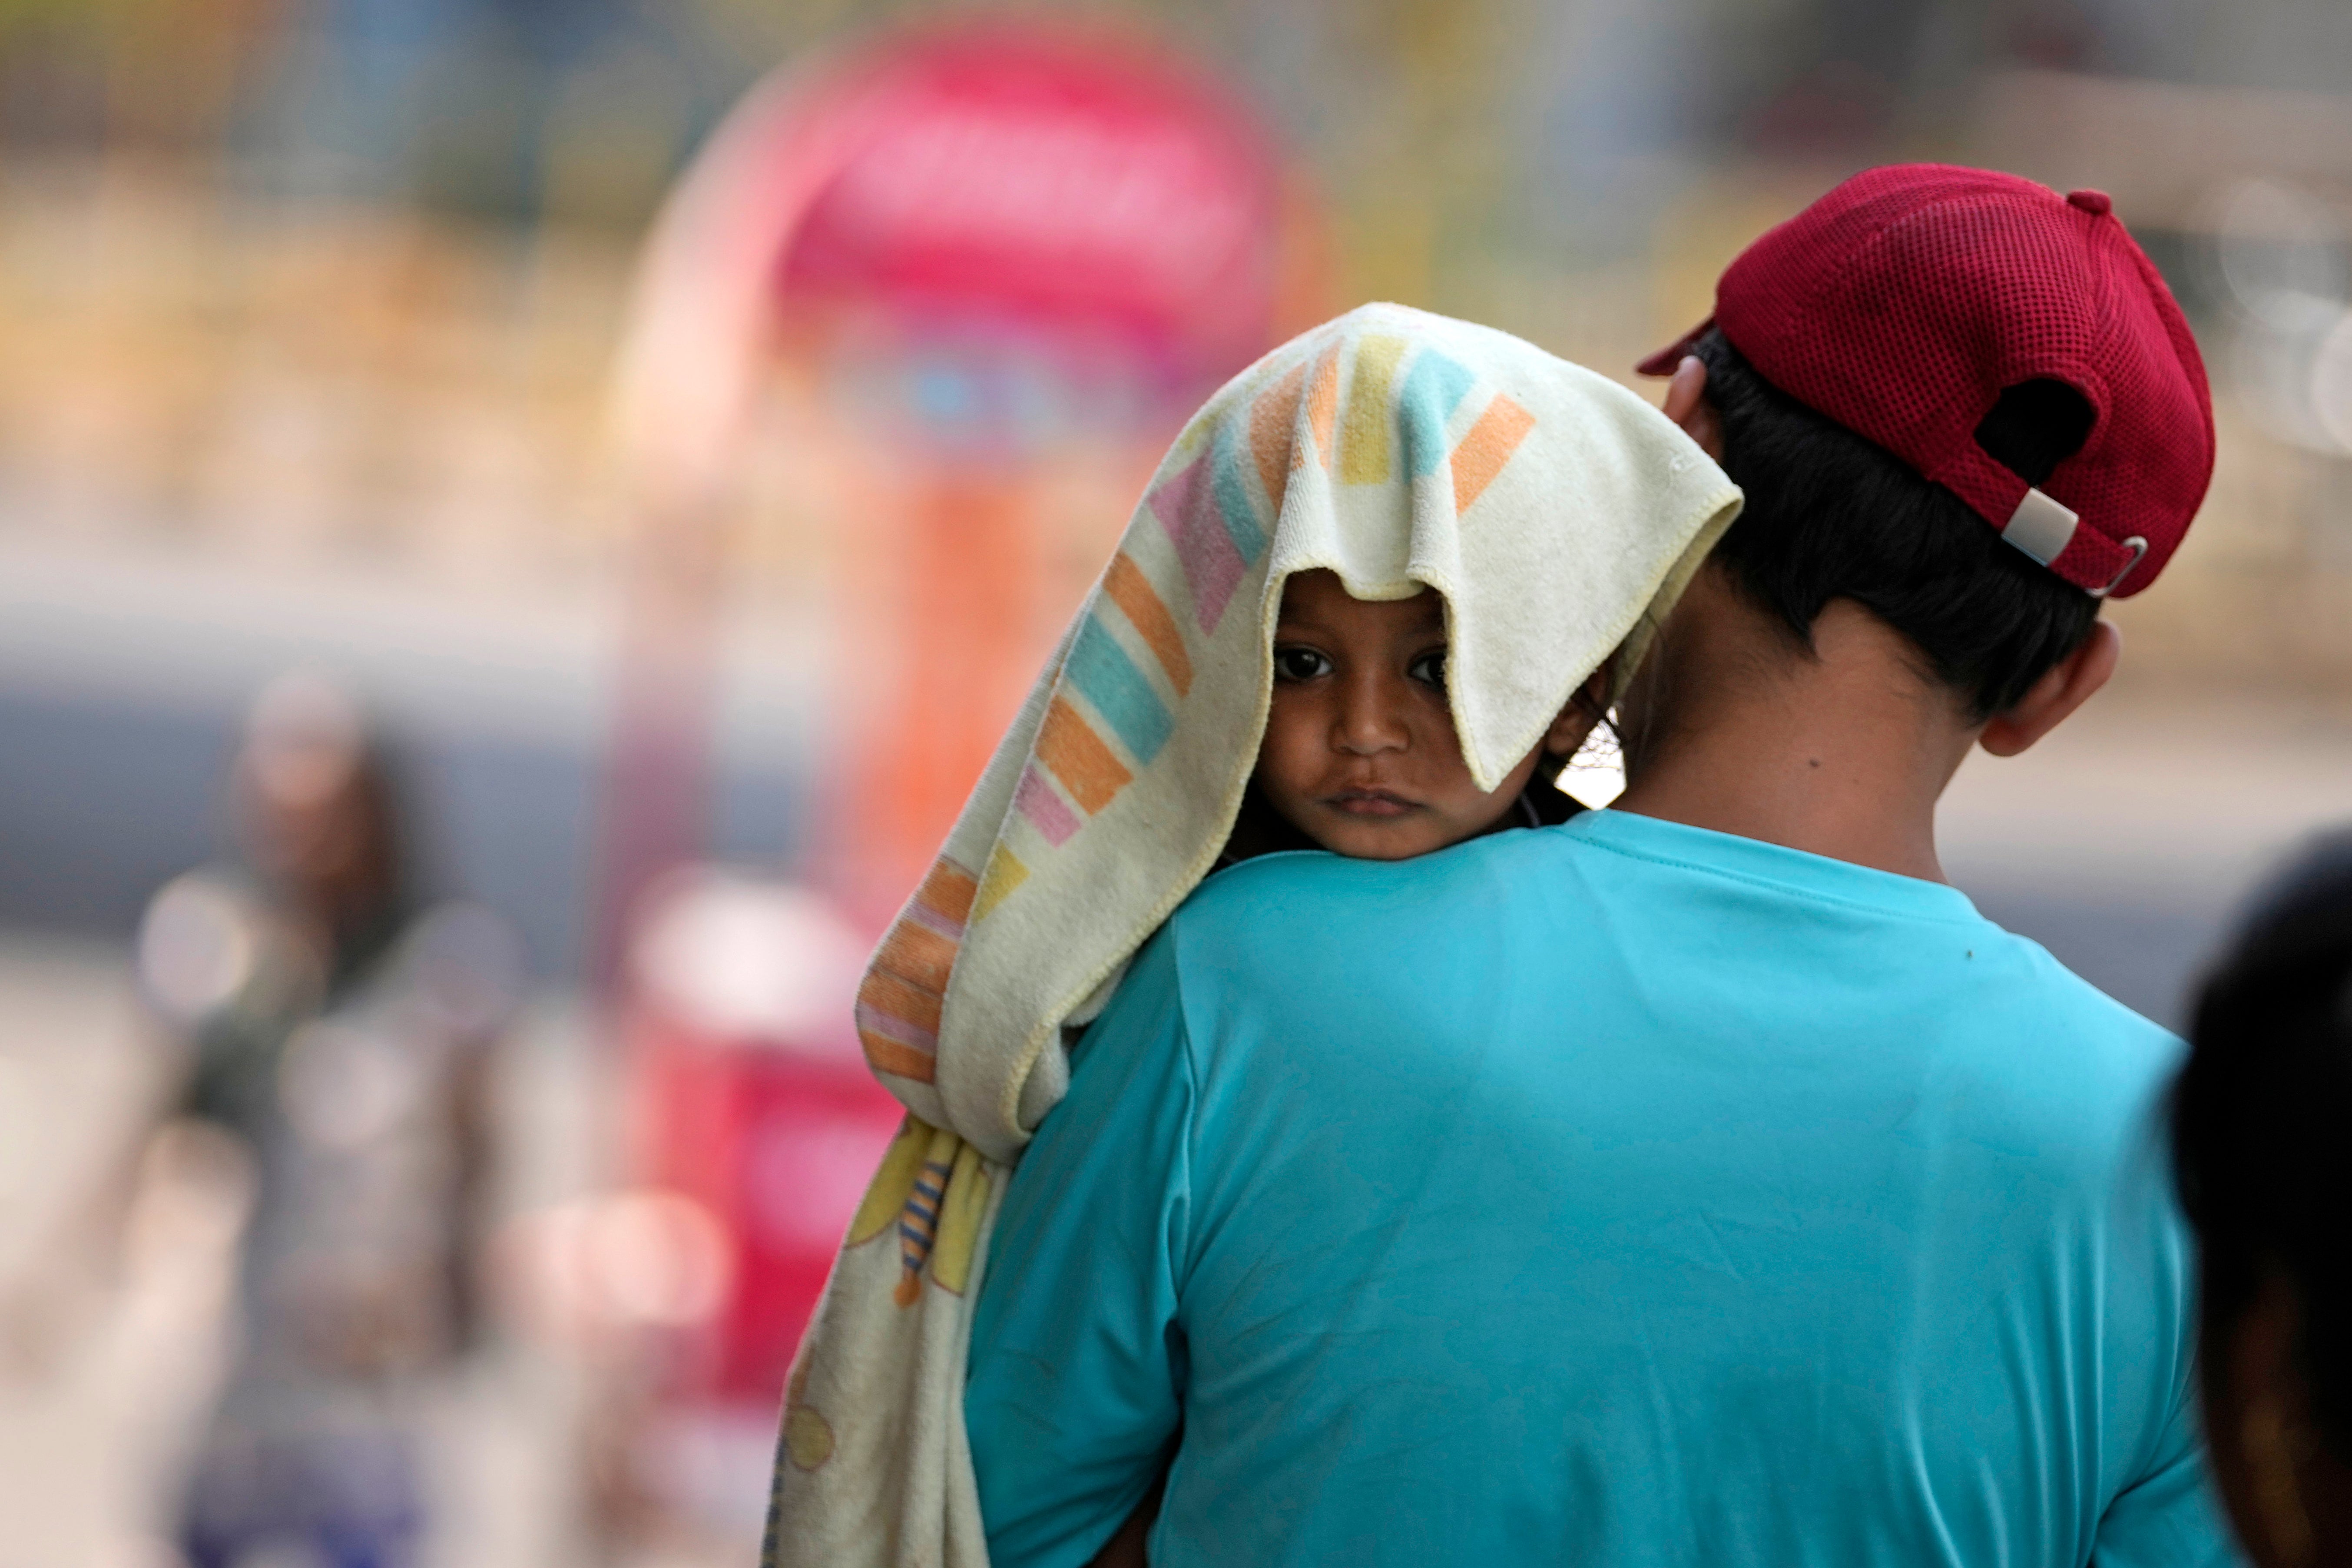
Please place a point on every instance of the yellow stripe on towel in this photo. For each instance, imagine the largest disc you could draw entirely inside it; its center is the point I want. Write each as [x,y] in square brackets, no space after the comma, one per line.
[1364,432]
[1005,873]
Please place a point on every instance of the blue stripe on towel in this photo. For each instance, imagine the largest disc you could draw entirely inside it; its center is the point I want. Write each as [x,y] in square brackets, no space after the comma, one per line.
[1109,680]
[1233,506]
[1424,403]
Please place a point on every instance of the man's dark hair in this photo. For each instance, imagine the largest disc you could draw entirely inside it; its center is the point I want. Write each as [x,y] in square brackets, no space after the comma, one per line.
[1832,515]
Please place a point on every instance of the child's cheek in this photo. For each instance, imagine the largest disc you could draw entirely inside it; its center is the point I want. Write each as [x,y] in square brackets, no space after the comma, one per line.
[1286,758]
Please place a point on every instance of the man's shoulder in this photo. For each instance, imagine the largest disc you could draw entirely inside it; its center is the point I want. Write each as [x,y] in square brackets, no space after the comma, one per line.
[1277,892]
[2066,992]
[2042,1001]
[1283,928]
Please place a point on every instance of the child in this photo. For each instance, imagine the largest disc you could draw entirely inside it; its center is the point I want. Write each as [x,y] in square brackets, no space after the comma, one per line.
[1359,755]
[1377,580]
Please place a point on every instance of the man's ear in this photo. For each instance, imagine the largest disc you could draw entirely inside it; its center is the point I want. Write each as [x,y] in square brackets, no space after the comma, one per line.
[2063,687]
[1687,406]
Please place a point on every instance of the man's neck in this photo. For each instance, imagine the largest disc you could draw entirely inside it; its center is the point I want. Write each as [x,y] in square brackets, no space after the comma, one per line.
[1842,755]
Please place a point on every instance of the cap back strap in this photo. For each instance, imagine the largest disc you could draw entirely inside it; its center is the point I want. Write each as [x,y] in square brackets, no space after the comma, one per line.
[2040,526]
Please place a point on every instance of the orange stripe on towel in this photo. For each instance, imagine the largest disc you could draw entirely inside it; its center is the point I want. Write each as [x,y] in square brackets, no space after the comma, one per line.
[1132,591]
[916,953]
[1486,447]
[947,890]
[1080,759]
[1273,424]
[887,1055]
[901,999]
[1323,403]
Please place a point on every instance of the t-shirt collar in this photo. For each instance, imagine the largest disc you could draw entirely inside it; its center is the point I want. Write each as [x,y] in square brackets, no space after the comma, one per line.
[1703,849]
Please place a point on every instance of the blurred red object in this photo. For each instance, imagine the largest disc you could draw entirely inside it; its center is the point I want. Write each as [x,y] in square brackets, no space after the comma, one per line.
[1081,189]
[754,1104]
[986,246]
[991,261]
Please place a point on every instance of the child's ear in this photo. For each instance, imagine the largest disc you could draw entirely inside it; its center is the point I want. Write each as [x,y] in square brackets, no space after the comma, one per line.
[1584,710]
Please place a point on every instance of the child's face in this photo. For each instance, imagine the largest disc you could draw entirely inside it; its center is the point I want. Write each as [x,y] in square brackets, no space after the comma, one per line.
[1359,752]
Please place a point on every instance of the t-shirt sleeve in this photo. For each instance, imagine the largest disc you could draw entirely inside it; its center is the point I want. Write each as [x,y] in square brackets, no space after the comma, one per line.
[2172,1517]
[1073,1399]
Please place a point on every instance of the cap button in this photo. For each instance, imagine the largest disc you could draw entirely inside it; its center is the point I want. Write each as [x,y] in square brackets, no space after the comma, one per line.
[2096,203]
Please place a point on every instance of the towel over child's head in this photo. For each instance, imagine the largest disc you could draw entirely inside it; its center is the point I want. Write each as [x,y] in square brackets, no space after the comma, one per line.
[1555,513]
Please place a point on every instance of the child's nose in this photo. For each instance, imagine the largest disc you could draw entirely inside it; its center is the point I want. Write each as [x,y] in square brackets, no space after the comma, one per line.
[1369,721]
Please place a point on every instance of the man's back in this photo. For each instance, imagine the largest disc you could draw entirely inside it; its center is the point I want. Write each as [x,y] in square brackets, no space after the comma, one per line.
[1622,1193]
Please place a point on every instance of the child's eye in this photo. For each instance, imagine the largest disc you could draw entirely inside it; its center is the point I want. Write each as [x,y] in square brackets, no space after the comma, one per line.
[1299,664]
[1429,668]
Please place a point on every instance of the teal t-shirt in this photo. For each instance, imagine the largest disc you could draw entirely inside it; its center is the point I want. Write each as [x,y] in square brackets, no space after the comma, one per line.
[1614,1193]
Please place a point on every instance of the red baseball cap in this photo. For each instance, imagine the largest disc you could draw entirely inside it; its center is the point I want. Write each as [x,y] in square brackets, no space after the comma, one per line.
[1904,302]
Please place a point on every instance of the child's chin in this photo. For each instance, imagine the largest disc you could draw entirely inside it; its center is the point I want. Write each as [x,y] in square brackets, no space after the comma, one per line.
[1386,841]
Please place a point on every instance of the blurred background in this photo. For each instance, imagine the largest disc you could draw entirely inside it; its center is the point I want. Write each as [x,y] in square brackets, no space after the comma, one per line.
[519,520]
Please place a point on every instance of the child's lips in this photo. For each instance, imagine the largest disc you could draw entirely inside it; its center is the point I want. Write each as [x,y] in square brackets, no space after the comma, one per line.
[1371,803]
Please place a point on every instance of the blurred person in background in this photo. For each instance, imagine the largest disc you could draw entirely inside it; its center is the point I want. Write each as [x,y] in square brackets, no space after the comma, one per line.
[2260,1148]
[340,1029]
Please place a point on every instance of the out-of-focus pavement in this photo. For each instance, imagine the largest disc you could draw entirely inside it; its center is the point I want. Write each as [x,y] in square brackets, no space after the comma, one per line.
[2123,844]
[100,1372]
[2126,840]
[115,1274]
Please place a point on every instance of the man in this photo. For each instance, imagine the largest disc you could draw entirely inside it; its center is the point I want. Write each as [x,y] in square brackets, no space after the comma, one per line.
[1703,1181]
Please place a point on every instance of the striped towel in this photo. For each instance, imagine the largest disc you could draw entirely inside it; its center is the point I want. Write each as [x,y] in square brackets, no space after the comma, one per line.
[1558,515]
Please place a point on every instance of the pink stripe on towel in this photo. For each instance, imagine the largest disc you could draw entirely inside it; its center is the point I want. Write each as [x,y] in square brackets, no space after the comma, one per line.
[1044,808]
[1212,567]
